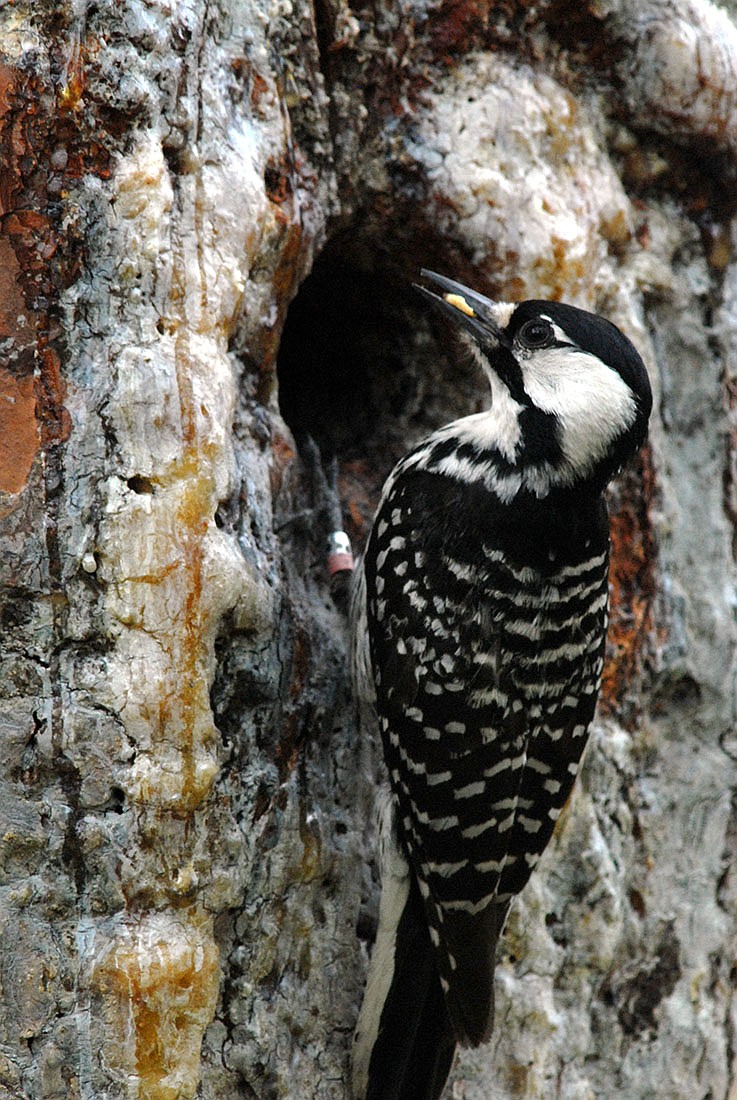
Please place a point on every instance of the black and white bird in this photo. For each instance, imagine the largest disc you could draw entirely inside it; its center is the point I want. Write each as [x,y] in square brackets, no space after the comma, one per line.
[480,617]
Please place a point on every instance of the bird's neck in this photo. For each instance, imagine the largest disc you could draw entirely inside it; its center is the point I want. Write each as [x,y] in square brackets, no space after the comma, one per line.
[514,448]
[507,449]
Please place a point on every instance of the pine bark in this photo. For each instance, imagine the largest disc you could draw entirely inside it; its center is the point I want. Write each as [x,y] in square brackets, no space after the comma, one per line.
[210,215]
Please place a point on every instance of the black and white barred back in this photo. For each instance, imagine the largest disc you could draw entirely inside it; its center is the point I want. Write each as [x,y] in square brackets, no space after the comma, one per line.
[483,611]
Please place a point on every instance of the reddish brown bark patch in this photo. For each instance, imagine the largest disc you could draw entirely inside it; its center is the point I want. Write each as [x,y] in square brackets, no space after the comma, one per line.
[27,244]
[45,144]
[457,27]
[632,579]
[18,430]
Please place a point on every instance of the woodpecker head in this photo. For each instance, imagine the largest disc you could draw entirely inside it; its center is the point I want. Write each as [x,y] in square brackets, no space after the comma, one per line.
[570,394]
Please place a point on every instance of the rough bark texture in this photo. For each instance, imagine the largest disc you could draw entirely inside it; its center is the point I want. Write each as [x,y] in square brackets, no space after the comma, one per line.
[186,892]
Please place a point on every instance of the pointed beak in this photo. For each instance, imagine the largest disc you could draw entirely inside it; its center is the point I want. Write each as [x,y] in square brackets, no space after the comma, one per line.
[472,312]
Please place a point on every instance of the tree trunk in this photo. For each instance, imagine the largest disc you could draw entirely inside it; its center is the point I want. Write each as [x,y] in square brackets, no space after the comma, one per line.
[211,215]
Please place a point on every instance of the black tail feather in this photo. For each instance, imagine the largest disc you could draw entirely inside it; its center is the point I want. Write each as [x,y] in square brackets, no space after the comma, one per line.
[470,940]
[413,1051]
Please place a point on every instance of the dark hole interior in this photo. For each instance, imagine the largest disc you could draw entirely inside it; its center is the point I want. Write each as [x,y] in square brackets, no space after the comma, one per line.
[364,369]
[343,369]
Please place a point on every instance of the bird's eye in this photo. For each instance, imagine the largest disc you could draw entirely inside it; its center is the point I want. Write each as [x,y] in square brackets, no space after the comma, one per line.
[536,334]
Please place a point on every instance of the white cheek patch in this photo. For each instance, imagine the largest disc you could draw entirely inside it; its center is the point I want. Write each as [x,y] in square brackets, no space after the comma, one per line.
[593,403]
